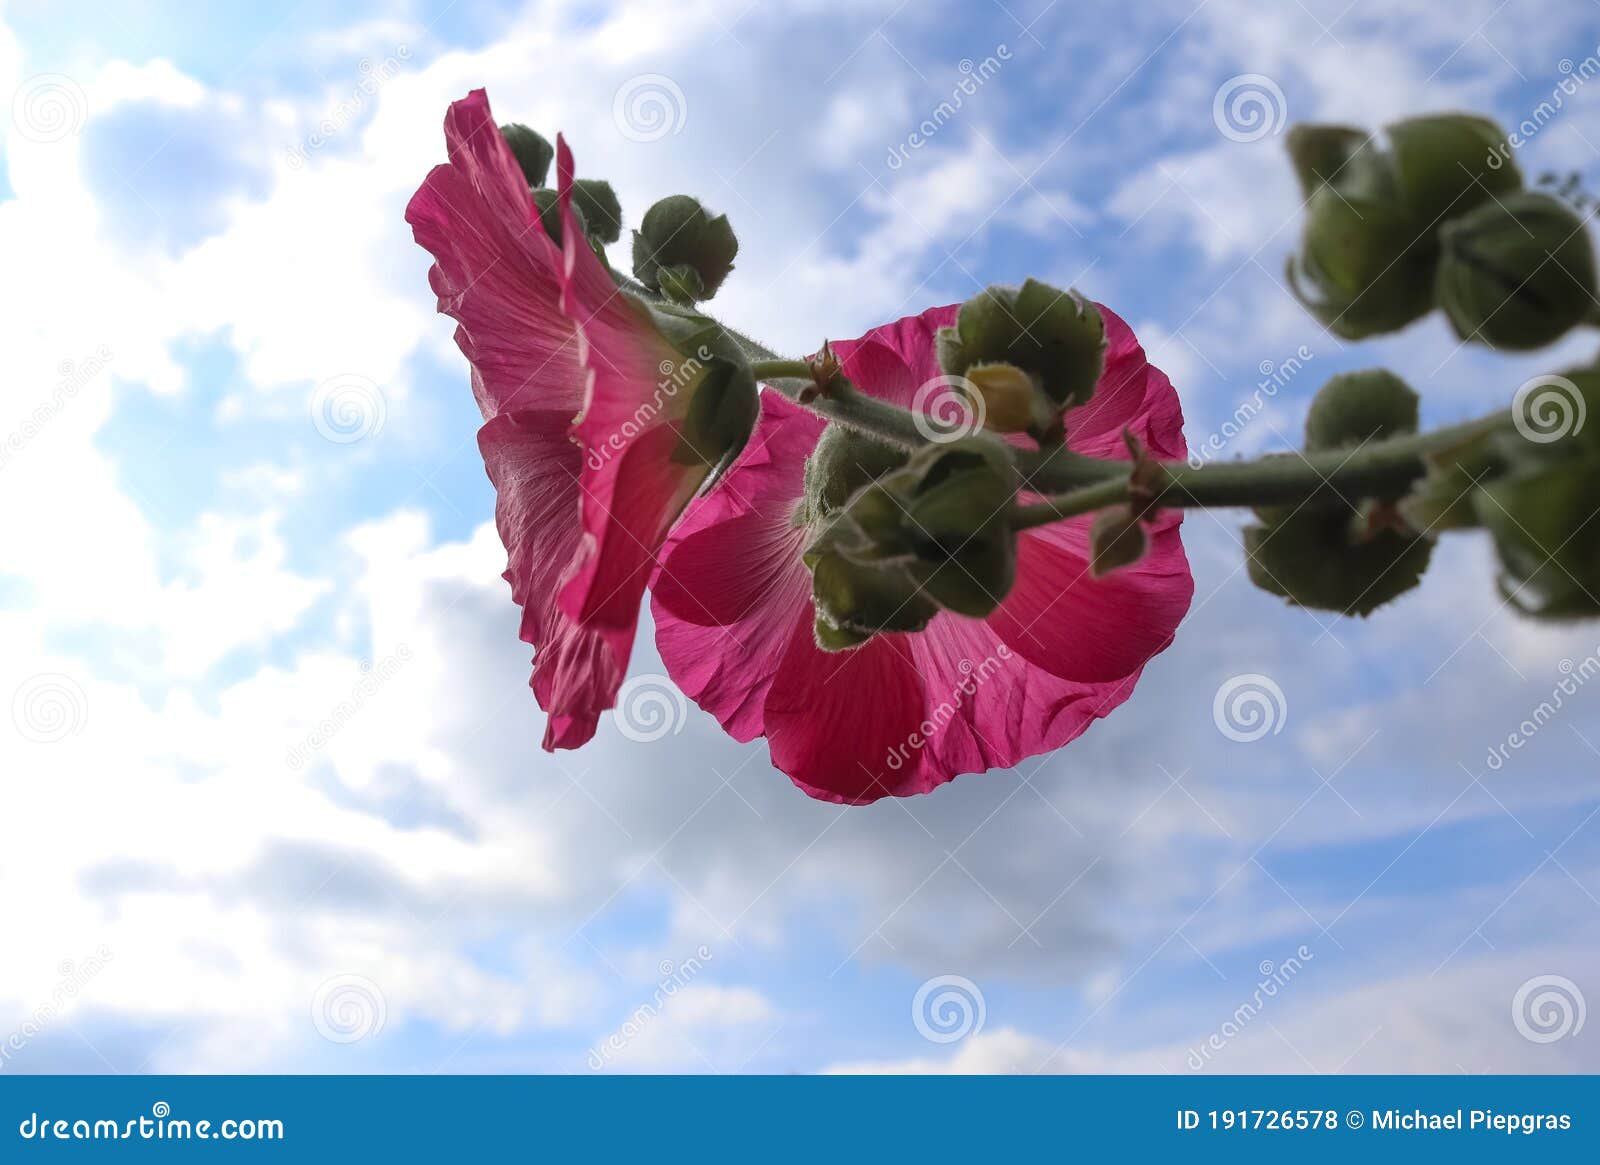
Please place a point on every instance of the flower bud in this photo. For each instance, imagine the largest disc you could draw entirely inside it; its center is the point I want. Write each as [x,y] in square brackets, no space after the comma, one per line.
[532,152]
[713,372]
[1548,543]
[547,203]
[1443,167]
[1354,408]
[1330,560]
[681,251]
[843,461]
[602,213]
[1517,273]
[1056,337]
[1012,401]
[931,534]
[1365,265]
[1116,539]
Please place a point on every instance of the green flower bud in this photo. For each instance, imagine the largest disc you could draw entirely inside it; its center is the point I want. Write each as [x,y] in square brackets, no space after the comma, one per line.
[680,240]
[602,213]
[843,461]
[1443,164]
[1056,337]
[1356,407]
[1374,207]
[1117,538]
[929,533]
[713,372]
[1549,544]
[1335,561]
[1365,265]
[1517,273]
[532,152]
[1011,400]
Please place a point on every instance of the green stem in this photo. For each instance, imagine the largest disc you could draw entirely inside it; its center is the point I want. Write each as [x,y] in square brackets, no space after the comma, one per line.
[1383,469]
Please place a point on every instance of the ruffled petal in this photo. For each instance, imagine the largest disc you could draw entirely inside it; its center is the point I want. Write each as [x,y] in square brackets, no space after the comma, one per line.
[535,467]
[633,485]
[731,584]
[495,270]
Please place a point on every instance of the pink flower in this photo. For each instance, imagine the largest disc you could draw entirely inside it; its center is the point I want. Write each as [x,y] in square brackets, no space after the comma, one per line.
[906,712]
[580,439]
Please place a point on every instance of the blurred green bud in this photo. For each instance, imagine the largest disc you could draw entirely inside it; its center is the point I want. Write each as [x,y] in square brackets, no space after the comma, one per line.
[681,251]
[1518,273]
[1374,208]
[1544,530]
[1330,560]
[1354,408]
[1365,265]
[1117,538]
[1011,401]
[1446,164]
[1057,338]
[532,152]
[602,213]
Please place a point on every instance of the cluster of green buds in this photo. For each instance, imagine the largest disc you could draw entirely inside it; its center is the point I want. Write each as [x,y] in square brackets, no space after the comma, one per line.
[898,537]
[594,202]
[1025,354]
[681,251]
[1333,553]
[1533,486]
[1431,213]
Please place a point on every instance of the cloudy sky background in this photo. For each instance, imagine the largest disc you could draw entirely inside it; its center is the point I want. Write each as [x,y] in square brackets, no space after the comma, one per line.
[202,236]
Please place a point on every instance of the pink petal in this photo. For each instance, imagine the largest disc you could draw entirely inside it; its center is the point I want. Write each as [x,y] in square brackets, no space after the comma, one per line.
[534,467]
[496,272]
[633,486]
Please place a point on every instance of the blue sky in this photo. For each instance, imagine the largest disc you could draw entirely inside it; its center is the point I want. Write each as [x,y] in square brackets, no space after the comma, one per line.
[271,769]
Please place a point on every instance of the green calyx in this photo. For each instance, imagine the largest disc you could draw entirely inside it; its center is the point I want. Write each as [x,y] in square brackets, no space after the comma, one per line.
[1057,338]
[711,371]
[928,534]
[532,152]
[1518,273]
[1329,553]
[1375,207]
[681,251]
